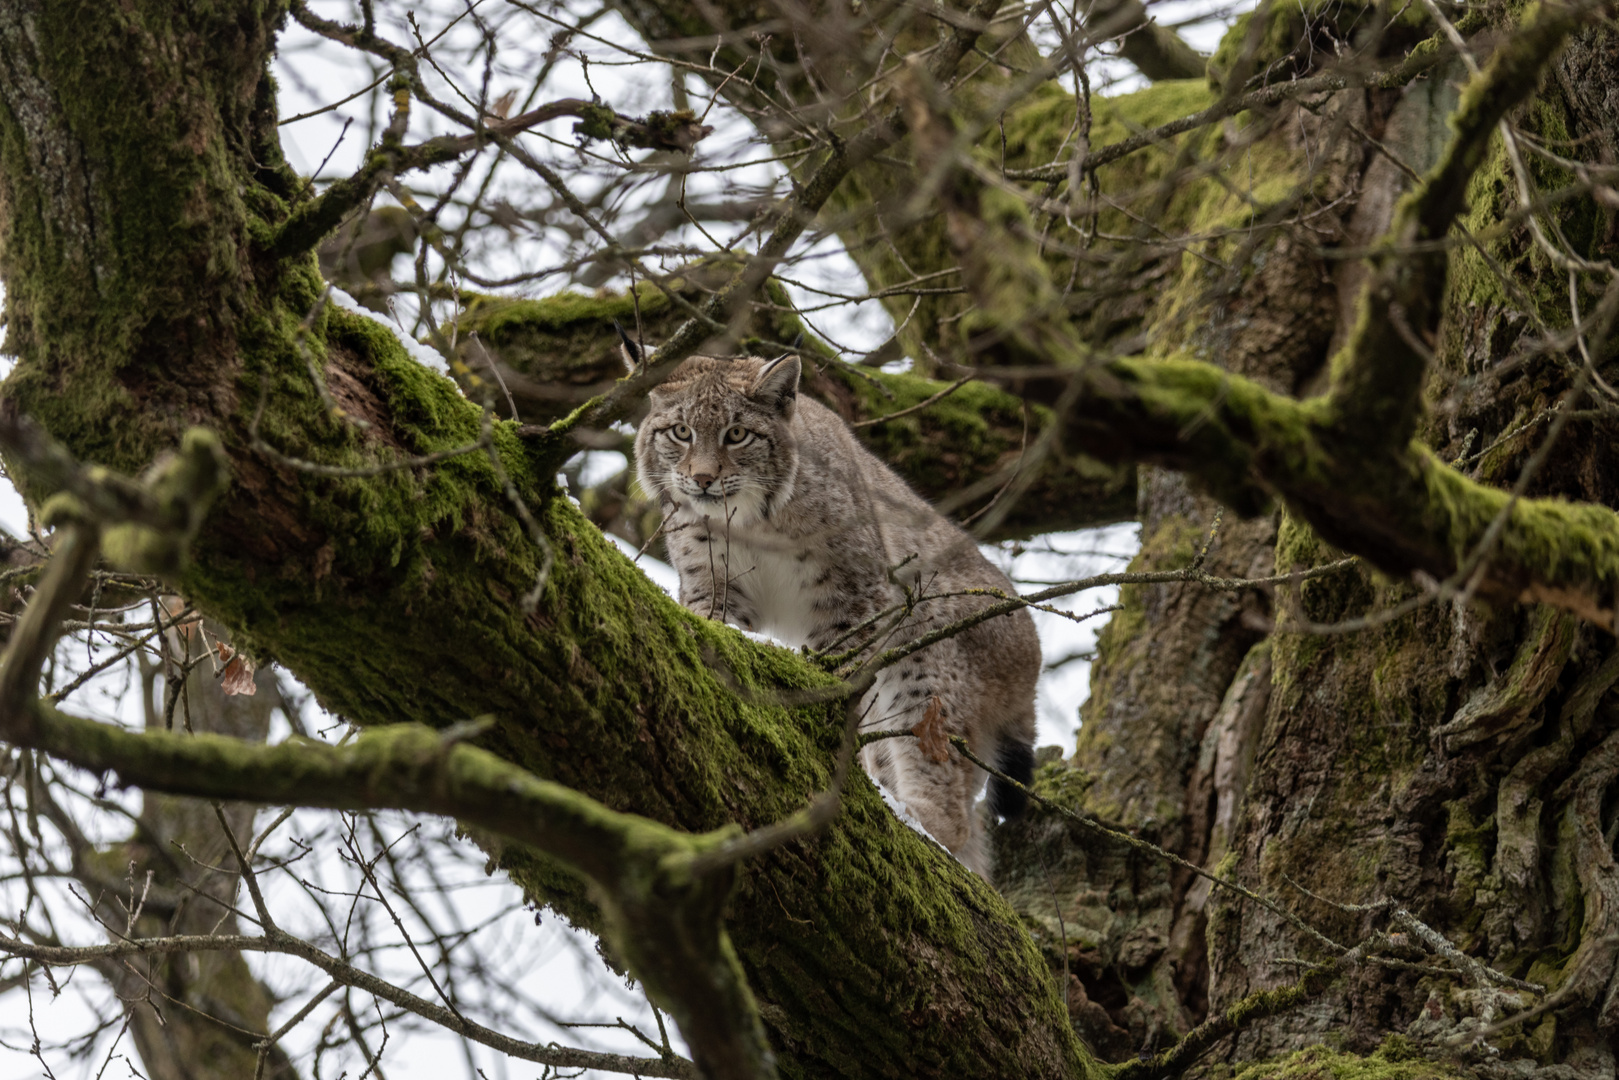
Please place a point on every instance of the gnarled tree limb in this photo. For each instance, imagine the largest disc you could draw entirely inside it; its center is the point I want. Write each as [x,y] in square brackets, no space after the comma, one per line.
[1346,463]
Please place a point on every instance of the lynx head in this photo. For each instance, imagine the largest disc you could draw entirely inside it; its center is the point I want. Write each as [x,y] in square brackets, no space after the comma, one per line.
[717,437]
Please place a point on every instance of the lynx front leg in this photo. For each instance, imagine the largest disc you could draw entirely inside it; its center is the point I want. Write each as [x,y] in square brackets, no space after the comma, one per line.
[708,579]
[725,604]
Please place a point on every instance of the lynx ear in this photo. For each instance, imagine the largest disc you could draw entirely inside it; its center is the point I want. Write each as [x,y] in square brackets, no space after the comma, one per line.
[777,383]
[632,353]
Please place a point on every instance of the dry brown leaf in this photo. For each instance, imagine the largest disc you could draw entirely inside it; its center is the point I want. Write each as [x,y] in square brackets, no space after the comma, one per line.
[503,104]
[237,678]
[930,734]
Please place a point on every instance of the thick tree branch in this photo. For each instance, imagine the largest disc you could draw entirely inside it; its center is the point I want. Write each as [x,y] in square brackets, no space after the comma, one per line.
[1156,51]
[560,351]
[663,891]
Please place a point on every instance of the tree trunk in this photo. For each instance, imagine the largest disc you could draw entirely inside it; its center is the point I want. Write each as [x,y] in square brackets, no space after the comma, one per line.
[1456,761]
[193,1015]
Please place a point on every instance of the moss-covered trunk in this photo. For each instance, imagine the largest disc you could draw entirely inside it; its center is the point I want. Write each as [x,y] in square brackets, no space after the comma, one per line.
[141,184]
[1456,760]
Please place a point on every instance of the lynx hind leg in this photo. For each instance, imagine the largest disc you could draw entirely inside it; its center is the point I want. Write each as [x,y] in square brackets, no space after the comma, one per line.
[940,795]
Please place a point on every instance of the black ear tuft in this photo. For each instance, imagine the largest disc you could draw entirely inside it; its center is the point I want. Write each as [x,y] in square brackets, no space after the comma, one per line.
[633,353]
[777,383]
[798,342]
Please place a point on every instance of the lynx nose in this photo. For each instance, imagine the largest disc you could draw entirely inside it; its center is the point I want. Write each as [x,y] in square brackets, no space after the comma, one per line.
[702,480]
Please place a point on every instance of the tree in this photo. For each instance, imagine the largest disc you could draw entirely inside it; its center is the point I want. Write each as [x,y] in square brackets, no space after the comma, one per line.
[1351,750]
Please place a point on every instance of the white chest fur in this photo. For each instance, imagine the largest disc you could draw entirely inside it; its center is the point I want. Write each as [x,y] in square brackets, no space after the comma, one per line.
[779,584]
[776,577]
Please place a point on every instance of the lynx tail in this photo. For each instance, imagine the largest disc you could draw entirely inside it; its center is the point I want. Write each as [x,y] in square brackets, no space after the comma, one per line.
[1015,759]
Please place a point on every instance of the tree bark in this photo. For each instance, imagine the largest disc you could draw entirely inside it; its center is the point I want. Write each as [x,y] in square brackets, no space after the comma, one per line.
[1451,760]
[1436,761]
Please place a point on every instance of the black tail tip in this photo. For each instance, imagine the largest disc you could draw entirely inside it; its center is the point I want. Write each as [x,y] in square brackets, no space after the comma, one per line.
[1015,759]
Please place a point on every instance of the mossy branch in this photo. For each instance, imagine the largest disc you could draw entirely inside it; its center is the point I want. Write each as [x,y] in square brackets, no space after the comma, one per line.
[1399,507]
[1156,51]
[661,890]
[1377,376]
[662,915]
[155,518]
[943,438]
[1409,514]
[1419,60]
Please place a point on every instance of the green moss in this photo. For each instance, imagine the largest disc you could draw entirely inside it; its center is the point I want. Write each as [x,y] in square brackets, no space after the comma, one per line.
[1369,693]
[1327,599]
[1217,217]
[1476,287]
[1394,1060]
[1036,128]
[1030,133]
[1470,848]
[103,293]
[1477,296]
[498,317]
[973,426]
[1567,542]
[1063,784]
[610,686]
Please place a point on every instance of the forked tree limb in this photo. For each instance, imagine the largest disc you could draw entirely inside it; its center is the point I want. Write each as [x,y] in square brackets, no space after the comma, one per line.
[1346,463]
[1377,376]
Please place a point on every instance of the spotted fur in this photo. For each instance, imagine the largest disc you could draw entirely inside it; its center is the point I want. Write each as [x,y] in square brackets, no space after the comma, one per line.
[779,521]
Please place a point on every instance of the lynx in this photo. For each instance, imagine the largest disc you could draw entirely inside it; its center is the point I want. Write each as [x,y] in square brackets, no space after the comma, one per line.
[779,521]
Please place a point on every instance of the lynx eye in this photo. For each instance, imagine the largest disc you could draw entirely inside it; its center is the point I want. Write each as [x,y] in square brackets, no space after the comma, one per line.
[681,432]
[736,434]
